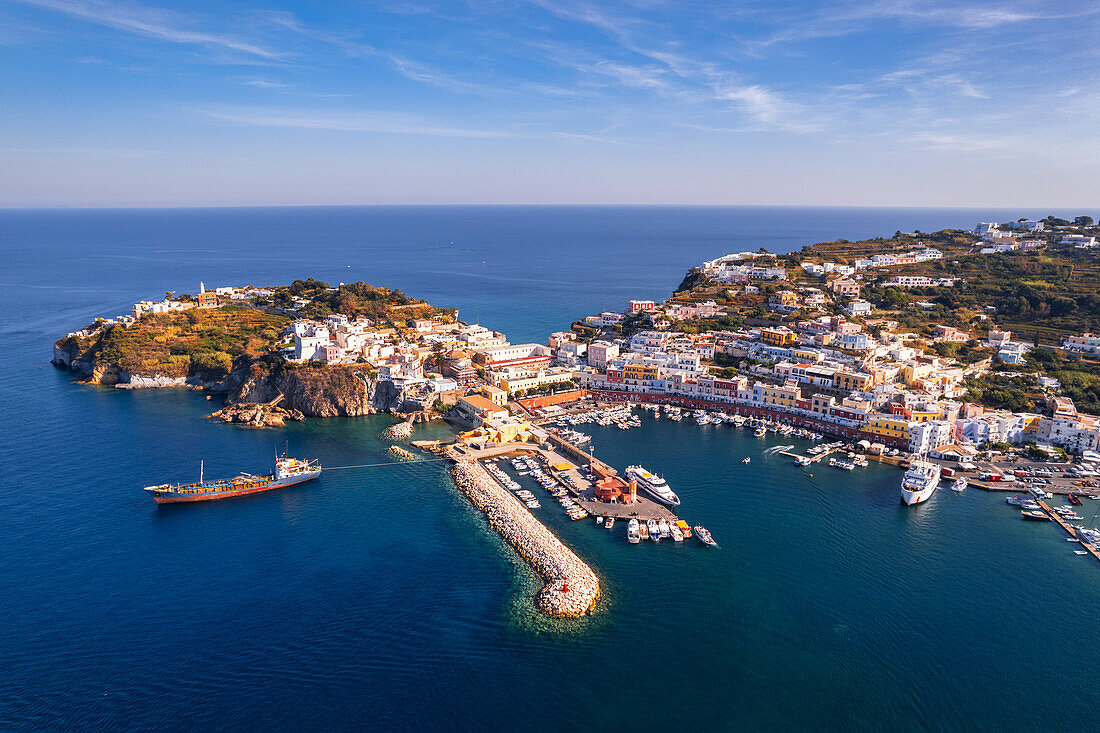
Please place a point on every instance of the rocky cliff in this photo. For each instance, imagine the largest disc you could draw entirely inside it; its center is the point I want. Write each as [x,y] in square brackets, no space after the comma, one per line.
[329,391]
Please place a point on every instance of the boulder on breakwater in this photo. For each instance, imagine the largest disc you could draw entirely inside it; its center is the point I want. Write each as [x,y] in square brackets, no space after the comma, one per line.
[402,429]
[571,587]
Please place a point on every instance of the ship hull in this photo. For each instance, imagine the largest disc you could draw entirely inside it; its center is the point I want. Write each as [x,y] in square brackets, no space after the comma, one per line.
[909,498]
[169,497]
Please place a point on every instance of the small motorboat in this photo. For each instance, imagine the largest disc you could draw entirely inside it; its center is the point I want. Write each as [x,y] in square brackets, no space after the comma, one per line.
[599,520]
[745,459]
[610,522]
[1075,500]
[959,485]
[633,534]
[1035,516]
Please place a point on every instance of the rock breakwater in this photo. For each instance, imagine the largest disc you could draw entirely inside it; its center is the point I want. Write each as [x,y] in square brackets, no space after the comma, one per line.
[571,588]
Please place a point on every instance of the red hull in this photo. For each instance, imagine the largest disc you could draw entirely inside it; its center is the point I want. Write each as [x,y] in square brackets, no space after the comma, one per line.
[226,494]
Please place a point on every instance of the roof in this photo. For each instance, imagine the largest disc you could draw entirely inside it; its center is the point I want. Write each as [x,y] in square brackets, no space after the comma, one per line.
[481,403]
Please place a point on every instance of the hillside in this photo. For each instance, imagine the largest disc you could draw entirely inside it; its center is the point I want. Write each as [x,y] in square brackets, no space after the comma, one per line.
[203,343]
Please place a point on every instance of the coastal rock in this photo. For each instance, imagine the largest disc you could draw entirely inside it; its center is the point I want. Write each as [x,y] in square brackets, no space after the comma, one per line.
[572,588]
[399,430]
[331,391]
[257,415]
[133,381]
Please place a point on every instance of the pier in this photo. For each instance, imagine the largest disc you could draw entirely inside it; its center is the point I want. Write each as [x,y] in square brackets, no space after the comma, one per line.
[1068,529]
[572,588]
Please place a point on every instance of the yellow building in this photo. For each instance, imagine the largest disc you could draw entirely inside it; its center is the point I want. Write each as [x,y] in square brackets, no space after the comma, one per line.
[914,372]
[497,396]
[778,336]
[888,427]
[784,396]
[925,416]
[853,380]
[639,371]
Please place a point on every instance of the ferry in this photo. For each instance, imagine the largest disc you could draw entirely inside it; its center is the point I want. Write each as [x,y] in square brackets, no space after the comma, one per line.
[920,482]
[655,486]
[288,471]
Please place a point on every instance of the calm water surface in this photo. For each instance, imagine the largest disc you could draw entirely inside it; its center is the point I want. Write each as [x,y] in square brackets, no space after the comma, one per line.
[381,599]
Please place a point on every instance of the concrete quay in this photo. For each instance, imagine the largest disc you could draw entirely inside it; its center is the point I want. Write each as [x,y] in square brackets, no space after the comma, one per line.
[572,588]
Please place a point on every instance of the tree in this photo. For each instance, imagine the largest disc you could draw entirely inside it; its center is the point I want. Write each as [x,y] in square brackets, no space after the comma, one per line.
[1083,221]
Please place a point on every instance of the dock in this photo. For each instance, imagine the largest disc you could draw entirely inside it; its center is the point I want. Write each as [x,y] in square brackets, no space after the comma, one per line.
[643,509]
[1068,529]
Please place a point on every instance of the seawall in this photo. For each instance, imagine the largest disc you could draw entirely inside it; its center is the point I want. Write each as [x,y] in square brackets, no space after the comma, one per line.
[538,545]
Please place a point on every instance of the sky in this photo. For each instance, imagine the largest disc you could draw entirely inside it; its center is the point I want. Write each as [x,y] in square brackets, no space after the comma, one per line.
[863,103]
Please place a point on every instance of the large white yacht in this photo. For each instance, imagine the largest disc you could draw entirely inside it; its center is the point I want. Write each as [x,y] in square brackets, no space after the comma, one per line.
[920,481]
[653,485]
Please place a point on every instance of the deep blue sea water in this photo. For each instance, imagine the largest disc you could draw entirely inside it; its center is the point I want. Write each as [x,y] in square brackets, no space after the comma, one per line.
[381,599]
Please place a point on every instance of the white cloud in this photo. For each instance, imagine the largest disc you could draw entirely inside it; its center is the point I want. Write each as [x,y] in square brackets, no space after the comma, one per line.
[151,23]
[377,122]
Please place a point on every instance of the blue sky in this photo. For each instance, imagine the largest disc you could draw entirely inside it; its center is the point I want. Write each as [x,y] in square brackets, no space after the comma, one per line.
[879,102]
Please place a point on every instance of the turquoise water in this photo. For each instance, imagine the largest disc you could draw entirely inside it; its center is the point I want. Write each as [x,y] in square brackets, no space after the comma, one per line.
[380,598]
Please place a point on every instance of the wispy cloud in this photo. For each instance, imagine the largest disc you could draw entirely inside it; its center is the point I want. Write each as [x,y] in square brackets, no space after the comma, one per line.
[153,23]
[264,83]
[367,121]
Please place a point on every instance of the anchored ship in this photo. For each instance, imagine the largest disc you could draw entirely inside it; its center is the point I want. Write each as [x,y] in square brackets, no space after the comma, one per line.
[288,471]
[920,482]
[653,485]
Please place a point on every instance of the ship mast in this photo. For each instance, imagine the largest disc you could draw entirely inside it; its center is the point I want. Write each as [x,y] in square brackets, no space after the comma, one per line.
[200,471]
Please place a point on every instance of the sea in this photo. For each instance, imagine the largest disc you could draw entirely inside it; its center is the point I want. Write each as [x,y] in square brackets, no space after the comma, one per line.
[379,598]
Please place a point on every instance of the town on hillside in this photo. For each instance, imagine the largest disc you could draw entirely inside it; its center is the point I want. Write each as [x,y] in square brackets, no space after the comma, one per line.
[847,345]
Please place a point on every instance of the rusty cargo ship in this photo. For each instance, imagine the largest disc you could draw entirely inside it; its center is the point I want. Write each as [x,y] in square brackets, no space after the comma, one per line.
[288,471]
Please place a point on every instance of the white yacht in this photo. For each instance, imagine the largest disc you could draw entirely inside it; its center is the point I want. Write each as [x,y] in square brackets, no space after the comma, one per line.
[920,481]
[653,485]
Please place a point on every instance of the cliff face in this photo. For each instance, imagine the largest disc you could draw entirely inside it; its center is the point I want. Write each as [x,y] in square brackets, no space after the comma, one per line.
[332,391]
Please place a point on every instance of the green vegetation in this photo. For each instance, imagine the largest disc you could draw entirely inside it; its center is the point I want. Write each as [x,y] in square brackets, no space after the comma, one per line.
[1015,392]
[381,305]
[198,341]
[969,353]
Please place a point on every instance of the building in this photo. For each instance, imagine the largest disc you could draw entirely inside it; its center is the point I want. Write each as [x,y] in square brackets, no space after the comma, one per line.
[949,334]
[859,307]
[638,306]
[845,288]
[893,429]
[497,396]
[779,336]
[475,410]
[600,353]
[1086,343]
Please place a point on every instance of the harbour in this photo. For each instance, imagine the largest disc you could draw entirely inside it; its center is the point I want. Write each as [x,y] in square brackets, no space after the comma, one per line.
[367,582]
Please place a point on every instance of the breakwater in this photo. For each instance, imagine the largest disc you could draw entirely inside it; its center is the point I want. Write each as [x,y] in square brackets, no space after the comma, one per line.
[571,587]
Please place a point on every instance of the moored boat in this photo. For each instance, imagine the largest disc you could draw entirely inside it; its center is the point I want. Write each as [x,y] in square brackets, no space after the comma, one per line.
[919,482]
[632,534]
[653,485]
[288,471]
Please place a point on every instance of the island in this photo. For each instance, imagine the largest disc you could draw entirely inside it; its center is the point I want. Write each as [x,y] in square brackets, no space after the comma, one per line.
[932,351]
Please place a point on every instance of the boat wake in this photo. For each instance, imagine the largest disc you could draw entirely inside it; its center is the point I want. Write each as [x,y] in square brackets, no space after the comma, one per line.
[777,449]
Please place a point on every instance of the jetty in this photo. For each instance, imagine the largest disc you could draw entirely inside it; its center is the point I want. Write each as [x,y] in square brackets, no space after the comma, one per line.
[1069,529]
[572,588]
